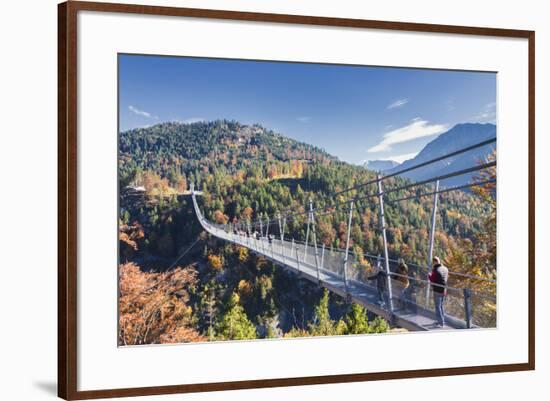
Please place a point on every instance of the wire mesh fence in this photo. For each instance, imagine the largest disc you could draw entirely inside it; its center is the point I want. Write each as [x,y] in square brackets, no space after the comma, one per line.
[411,291]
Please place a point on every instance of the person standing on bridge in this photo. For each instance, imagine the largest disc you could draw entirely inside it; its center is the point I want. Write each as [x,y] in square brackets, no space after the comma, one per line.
[438,277]
[402,278]
[380,277]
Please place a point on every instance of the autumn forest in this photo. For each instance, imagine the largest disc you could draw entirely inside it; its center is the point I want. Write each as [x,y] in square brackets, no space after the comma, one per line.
[179,284]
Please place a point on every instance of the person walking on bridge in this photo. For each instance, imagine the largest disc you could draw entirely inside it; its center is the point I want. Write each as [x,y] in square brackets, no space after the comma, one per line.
[438,279]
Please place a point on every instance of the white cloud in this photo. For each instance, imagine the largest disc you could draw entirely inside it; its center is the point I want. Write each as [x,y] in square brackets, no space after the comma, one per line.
[303,119]
[488,115]
[397,103]
[417,128]
[141,112]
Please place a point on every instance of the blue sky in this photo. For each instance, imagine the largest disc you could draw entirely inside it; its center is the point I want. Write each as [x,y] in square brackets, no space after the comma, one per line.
[357,113]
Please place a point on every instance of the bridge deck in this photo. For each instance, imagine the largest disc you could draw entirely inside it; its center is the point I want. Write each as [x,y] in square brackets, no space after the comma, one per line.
[357,292]
[301,260]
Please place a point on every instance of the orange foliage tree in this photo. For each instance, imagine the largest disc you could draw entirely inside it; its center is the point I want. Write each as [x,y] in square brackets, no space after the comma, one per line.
[181,184]
[129,235]
[153,307]
[247,213]
[220,217]
[215,261]
[477,256]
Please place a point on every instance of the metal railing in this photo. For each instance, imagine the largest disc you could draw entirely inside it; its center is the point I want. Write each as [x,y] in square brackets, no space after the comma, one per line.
[407,291]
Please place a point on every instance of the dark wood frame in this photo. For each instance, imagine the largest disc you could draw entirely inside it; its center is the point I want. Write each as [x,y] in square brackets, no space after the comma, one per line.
[67,197]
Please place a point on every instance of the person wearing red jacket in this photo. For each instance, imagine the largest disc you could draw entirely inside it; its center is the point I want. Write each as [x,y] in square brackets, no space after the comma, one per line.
[438,279]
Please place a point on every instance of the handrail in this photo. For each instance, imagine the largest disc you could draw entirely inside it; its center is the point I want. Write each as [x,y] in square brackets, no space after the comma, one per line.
[426,268]
[205,223]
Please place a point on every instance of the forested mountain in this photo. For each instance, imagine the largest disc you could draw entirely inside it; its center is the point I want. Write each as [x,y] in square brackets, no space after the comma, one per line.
[458,137]
[179,151]
[247,172]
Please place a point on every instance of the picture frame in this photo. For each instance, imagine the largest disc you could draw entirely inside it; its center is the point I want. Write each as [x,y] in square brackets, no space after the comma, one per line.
[70,181]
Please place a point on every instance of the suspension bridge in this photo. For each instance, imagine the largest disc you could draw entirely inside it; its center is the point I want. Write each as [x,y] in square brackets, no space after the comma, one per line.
[407,306]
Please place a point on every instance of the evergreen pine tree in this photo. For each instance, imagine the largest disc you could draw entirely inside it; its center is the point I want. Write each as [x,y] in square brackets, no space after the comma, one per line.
[357,321]
[234,324]
[323,325]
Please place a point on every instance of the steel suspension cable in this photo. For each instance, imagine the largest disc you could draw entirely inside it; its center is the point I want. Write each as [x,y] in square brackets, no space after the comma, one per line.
[401,188]
[426,163]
